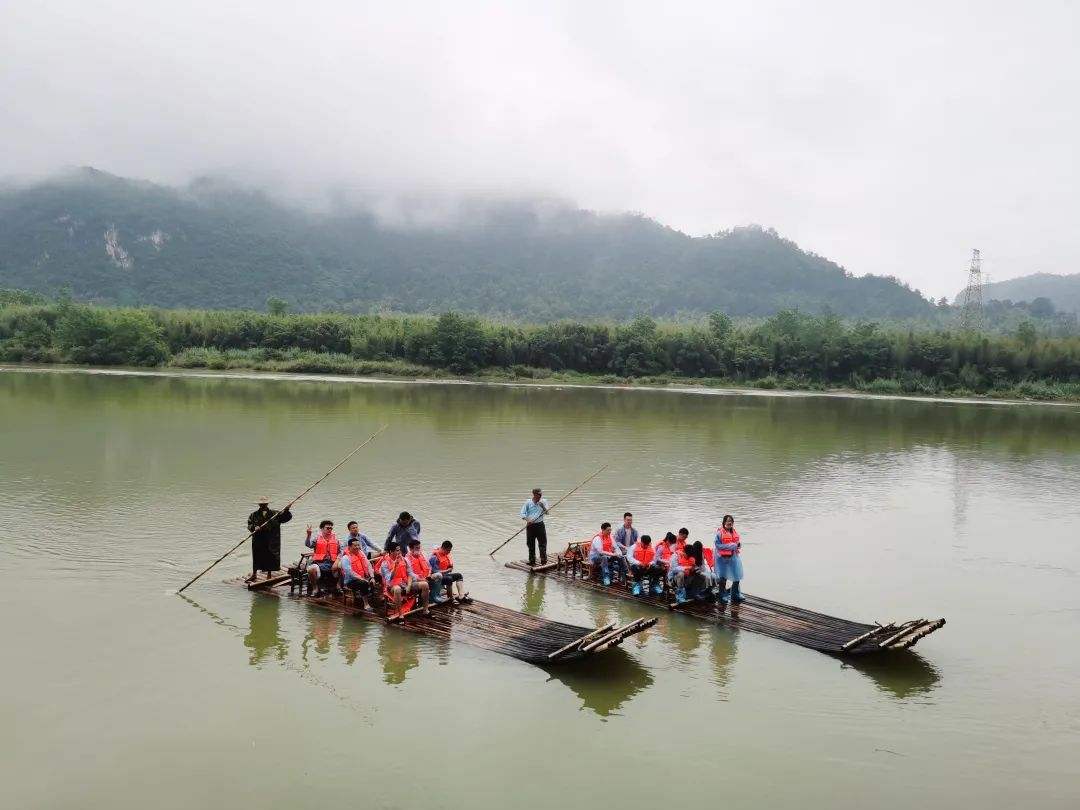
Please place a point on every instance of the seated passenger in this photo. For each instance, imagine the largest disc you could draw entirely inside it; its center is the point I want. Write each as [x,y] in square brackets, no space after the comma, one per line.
[626,535]
[367,548]
[685,572]
[357,572]
[641,564]
[442,562]
[419,565]
[399,581]
[605,553]
[662,559]
[326,551]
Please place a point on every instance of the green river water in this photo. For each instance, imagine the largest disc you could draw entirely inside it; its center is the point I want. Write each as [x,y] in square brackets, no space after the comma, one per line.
[117,693]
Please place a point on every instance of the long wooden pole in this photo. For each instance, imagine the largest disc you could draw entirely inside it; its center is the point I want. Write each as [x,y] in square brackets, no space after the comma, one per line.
[251,534]
[563,498]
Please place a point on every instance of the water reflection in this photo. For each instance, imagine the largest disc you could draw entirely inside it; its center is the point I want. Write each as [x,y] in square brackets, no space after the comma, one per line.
[398,652]
[532,600]
[322,625]
[725,647]
[899,673]
[264,631]
[351,638]
[606,682]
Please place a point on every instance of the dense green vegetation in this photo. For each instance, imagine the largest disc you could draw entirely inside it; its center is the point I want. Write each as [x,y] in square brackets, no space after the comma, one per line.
[789,350]
[118,242]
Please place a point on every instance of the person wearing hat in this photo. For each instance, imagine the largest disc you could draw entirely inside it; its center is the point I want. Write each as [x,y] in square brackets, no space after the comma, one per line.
[265,527]
[403,530]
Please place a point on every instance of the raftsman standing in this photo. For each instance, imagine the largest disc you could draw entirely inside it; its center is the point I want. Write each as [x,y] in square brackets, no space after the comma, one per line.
[533,514]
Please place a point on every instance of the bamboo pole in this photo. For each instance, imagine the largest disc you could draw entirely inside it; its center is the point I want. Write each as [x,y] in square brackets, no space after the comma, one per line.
[251,534]
[847,645]
[579,641]
[903,630]
[563,498]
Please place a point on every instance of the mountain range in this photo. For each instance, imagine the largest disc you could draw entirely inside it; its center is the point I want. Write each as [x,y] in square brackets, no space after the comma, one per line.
[113,240]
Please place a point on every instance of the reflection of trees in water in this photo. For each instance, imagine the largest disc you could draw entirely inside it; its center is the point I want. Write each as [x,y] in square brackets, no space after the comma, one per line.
[398,653]
[264,633]
[604,683]
[532,601]
[898,673]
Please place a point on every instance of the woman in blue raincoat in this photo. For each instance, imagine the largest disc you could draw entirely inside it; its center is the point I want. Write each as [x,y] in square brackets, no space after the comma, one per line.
[728,561]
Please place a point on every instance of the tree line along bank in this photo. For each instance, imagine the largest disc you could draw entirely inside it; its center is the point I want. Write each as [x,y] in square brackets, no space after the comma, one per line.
[789,350]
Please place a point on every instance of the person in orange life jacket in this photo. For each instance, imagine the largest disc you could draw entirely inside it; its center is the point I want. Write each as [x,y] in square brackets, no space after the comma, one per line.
[441,561]
[419,565]
[400,581]
[326,551]
[640,557]
[663,556]
[728,558]
[685,572]
[604,551]
[356,571]
[367,548]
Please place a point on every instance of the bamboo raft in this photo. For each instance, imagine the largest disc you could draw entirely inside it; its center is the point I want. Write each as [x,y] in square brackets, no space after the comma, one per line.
[817,631]
[481,624]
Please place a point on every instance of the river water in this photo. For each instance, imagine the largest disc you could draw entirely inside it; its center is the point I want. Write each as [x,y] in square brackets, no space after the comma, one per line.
[118,693]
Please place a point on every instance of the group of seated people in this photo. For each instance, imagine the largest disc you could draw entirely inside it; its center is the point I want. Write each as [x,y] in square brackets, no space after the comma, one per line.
[690,570]
[400,568]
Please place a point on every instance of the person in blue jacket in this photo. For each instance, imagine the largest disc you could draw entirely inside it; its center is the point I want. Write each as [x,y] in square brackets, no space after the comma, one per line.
[728,561]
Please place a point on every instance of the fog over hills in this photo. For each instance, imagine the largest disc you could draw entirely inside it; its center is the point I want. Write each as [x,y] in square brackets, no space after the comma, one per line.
[221,245]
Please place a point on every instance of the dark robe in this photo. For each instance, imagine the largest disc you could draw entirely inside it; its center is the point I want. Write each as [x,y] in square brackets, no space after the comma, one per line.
[266,543]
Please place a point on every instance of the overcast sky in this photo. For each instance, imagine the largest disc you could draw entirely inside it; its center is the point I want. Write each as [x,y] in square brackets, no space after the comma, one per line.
[890,137]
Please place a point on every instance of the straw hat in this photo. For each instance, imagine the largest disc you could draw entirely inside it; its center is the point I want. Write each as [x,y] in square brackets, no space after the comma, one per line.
[262,500]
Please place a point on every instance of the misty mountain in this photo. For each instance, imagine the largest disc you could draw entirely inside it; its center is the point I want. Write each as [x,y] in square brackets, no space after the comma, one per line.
[1062,290]
[119,241]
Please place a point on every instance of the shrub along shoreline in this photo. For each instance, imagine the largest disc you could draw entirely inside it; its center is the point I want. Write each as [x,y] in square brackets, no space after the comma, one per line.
[790,351]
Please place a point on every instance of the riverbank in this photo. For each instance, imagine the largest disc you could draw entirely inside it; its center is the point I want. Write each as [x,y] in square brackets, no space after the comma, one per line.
[788,352]
[391,373]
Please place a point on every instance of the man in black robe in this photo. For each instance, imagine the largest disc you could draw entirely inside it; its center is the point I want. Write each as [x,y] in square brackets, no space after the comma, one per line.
[266,542]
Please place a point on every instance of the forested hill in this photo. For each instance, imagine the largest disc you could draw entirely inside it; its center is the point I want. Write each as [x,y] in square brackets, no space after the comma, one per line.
[1062,291]
[117,241]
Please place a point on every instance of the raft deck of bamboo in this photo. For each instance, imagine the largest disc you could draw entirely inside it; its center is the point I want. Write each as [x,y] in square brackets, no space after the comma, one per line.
[481,624]
[806,628]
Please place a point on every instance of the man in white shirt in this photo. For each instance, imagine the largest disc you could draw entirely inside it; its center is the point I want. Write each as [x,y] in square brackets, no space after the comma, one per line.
[535,534]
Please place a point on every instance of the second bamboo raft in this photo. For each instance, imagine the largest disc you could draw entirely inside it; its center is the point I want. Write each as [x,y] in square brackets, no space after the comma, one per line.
[817,631]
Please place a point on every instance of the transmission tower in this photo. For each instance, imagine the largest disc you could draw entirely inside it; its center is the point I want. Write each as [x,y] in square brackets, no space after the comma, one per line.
[971,307]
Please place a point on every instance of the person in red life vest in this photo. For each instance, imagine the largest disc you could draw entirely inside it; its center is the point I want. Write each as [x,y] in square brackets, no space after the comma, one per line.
[640,557]
[356,571]
[685,572]
[683,539]
[441,561]
[728,558]
[662,559]
[399,581]
[419,565]
[605,552]
[326,551]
